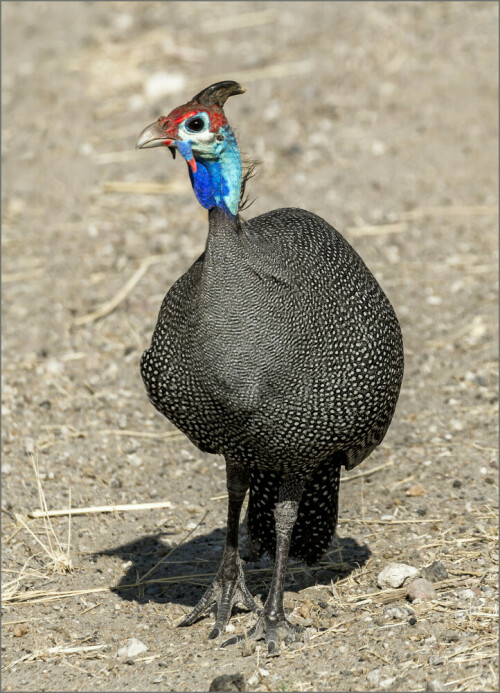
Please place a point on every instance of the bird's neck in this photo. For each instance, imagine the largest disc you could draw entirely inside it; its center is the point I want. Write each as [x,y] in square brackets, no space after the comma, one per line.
[223,229]
[217,181]
[223,241]
[223,259]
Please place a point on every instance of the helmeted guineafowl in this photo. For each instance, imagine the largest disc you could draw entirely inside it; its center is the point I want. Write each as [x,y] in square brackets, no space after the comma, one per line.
[277,349]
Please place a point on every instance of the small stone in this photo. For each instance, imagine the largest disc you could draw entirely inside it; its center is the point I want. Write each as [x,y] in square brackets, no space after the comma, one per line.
[434,686]
[248,647]
[122,21]
[434,572]
[387,683]
[122,422]
[254,680]
[228,682]
[135,460]
[374,676]
[20,630]
[29,446]
[435,660]
[230,628]
[395,574]
[416,490]
[449,635]
[420,589]
[456,483]
[132,648]
[466,594]
[412,620]
[398,612]
[305,609]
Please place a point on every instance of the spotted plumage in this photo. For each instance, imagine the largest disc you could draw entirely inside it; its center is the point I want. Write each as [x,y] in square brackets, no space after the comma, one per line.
[277,349]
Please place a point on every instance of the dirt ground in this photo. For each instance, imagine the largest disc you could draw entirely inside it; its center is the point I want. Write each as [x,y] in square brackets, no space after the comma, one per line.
[380,117]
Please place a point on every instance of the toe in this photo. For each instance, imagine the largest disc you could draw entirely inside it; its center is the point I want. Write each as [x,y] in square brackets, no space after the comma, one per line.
[272,647]
[215,632]
[233,641]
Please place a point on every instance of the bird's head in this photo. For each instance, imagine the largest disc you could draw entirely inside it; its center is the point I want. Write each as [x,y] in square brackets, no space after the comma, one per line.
[199,131]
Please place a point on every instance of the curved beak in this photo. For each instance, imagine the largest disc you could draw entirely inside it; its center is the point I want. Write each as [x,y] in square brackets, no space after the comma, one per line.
[154,136]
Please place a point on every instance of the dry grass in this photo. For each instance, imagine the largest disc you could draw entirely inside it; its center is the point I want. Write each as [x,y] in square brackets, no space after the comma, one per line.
[350,594]
[60,560]
[59,651]
[56,560]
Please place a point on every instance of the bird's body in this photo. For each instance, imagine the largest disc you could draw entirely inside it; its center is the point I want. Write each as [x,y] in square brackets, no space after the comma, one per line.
[303,339]
[279,350]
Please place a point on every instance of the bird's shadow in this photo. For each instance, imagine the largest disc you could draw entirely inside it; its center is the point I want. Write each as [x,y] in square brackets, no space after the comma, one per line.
[158,570]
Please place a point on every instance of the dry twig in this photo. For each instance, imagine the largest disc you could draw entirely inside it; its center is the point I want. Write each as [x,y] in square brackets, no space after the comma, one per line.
[110,305]
[100,509]
[141,434]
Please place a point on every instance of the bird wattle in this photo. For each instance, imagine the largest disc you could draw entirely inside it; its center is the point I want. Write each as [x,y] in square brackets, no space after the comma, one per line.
[216,177]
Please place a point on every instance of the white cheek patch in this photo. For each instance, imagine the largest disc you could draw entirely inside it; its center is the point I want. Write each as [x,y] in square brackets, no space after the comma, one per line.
[197,138]
[205,137]
[202,143]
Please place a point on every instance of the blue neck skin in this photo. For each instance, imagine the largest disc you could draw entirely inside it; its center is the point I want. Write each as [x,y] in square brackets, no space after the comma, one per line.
[217,179]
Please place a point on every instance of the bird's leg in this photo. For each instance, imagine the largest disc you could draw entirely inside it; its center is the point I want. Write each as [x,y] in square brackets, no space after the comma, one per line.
[229,585]
[272,623]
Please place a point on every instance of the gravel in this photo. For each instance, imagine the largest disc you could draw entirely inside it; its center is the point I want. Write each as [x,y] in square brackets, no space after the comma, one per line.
[420,589]
[395,574]
[132,648]
[434,572]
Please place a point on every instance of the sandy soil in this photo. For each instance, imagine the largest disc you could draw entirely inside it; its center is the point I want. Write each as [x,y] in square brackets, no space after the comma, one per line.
[382,118]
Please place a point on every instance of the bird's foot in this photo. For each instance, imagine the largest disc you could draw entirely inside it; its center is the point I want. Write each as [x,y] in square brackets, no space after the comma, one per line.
[273,631]
[220,598]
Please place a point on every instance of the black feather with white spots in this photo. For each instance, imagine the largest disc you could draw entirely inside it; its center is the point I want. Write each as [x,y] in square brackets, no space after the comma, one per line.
[279,349]
[318,510]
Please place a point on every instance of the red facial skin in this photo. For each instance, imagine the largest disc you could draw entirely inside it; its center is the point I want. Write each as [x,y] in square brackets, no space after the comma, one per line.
[170,123]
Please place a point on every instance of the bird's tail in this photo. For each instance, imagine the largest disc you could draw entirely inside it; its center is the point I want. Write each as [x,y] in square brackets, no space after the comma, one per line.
[318,510]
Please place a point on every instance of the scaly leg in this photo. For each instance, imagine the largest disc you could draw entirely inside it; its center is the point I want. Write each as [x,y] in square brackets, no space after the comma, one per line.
[229,585]
[272,623]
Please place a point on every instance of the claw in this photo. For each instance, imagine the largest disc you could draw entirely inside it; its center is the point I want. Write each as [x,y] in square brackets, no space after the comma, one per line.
[233,641]
[205,603]
[272,648]
[215,632]
[220,597]
[272,632]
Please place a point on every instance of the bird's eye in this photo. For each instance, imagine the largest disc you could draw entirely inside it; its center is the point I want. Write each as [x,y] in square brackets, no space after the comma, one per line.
[195,124]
